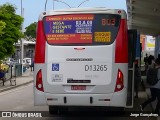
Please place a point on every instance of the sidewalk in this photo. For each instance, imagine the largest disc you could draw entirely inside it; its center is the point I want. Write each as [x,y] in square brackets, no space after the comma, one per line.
[26,78]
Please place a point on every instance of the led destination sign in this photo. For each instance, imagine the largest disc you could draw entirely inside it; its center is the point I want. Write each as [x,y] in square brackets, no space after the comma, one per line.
[79,28]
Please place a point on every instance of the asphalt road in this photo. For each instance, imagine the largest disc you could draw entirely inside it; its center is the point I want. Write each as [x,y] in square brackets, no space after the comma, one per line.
[21,99]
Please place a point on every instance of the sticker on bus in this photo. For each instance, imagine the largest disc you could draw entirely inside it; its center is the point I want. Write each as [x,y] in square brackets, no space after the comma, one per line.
[55,67]
[57,78]
[102,36]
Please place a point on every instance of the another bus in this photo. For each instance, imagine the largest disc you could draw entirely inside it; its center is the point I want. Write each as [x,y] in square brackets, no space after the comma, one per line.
[81,59]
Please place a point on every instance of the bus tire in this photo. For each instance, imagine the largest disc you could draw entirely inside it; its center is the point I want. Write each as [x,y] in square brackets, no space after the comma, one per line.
[116,111]
[53,110]
[63,110]
[121,110]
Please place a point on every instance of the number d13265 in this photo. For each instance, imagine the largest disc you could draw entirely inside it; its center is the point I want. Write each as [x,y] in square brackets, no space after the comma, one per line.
[95,67]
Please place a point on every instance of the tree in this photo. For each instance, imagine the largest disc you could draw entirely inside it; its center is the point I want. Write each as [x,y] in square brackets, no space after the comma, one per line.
[31,31]
[10,26]
[2,26]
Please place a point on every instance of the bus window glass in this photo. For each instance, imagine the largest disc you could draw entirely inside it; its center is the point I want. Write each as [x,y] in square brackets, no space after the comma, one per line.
[81,29]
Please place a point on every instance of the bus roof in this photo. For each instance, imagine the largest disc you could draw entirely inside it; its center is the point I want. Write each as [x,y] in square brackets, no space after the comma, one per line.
[84,10]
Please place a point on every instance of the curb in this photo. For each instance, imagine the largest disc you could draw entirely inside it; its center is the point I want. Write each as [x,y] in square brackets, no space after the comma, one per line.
[15,86]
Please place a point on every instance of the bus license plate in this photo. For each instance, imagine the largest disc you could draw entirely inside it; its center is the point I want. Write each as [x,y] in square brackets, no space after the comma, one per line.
[78,87]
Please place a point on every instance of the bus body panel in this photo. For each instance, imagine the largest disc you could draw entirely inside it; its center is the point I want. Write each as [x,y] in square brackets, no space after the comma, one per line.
[83,10]
[76,69]
[40,98]
[93,66]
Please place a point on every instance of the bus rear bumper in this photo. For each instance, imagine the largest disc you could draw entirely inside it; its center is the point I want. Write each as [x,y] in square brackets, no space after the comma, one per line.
[117,99]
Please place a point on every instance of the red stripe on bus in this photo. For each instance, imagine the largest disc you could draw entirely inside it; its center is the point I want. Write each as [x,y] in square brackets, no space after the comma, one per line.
[40,44]
[121,50]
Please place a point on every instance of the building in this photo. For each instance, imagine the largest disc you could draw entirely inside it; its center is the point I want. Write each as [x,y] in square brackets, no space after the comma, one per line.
[29,49]
[148,45]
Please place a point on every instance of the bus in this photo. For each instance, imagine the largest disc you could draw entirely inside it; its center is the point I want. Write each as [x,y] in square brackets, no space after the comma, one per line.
[81,59]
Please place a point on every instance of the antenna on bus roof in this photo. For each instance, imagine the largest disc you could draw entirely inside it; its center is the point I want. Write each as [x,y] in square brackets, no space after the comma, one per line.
[45,5]
[62,2]
[57,1]
[83,2]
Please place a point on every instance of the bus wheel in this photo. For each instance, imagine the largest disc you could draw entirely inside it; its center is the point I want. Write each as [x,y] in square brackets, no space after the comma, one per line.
[63,110]
[53,110]
[120,111]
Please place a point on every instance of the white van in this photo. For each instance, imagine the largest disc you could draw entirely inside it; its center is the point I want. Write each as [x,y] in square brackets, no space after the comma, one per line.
[27,62]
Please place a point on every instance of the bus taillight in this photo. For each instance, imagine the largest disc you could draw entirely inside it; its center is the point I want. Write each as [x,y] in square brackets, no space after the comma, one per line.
[39,84]
[120,82]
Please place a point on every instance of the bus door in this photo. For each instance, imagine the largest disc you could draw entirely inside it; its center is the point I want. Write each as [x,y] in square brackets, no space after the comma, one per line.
[132,37]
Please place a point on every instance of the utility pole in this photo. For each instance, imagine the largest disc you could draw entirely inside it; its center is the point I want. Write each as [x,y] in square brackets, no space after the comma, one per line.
[21,41]
[53,4]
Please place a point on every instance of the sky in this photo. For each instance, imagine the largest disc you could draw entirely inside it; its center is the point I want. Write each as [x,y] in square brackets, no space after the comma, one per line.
[32,8]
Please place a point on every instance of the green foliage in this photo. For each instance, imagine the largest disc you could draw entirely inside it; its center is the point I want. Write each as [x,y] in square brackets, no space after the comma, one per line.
[2,26]
[31,30]
[10,26]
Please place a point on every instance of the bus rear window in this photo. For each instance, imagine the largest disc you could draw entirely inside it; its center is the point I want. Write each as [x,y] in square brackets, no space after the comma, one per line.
[81,29]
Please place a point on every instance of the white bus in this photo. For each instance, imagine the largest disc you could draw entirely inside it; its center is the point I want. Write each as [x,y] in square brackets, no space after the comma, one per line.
[81,58]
